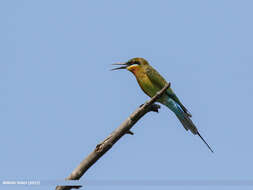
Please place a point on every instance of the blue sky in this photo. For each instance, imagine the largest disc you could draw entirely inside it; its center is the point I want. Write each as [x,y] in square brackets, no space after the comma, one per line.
[59,99]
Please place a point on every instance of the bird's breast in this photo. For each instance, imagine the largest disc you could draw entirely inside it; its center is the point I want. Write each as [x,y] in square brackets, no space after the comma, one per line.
[145,83]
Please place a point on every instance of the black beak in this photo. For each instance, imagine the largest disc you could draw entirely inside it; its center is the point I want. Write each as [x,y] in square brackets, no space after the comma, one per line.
[124,66]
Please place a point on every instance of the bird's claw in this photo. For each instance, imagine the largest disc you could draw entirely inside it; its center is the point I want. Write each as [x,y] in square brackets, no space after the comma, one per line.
[155,108]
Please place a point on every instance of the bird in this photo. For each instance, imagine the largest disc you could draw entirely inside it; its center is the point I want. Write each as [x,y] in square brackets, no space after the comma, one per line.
[152,82]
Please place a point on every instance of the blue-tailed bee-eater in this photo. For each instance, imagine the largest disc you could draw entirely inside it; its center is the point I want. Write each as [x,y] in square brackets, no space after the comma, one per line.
[151,82]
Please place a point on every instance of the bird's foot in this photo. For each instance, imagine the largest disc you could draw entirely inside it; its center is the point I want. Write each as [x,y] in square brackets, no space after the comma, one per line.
[155,108]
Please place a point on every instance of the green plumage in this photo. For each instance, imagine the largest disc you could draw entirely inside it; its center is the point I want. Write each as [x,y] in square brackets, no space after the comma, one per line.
[160,82]
[151,82]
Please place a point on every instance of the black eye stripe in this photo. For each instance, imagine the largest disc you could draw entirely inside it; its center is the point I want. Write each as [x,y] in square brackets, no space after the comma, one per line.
[133,63]
[136,63]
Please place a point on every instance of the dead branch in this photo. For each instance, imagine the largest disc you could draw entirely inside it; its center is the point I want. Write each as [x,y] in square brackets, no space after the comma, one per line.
[104,146]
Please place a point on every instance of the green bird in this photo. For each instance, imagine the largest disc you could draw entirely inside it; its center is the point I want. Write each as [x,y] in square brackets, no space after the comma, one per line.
[151,82]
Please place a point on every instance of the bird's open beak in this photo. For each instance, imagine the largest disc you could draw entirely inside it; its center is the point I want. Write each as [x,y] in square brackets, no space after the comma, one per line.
[124,66]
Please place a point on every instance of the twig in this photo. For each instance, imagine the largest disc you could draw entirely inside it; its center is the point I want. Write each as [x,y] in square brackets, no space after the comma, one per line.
[104,146]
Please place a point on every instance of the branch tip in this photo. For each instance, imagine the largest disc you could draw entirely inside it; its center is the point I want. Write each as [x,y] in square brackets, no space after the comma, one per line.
[104,146]
[130,132]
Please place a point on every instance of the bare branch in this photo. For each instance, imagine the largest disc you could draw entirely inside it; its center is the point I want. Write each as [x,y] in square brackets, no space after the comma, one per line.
[103,147]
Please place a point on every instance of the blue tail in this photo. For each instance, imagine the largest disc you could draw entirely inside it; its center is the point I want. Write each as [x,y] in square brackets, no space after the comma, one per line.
[184,118]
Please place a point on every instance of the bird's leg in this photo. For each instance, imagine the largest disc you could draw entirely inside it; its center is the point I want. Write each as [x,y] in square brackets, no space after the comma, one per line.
[155,108]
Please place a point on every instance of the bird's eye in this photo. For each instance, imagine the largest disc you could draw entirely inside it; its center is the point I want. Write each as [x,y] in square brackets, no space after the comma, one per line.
[136,63]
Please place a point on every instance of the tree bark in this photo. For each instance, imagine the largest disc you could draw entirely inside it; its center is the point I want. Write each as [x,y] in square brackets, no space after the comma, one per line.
[107,144]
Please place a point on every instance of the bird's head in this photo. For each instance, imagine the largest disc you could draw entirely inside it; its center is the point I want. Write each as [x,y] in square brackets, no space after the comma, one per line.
[132,65]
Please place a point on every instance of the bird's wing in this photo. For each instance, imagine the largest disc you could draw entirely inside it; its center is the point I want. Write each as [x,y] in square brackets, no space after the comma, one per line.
[173,96]
[159,81]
